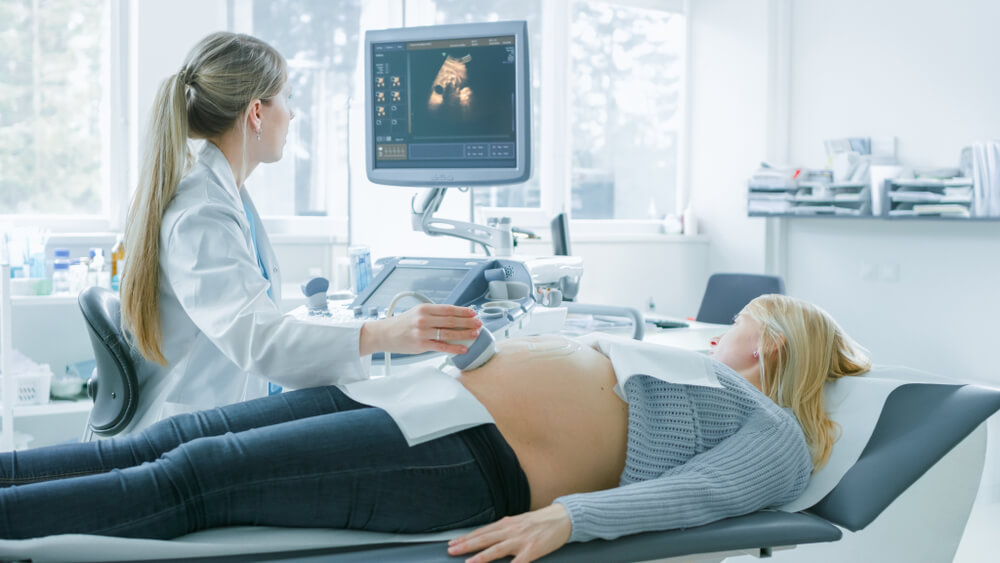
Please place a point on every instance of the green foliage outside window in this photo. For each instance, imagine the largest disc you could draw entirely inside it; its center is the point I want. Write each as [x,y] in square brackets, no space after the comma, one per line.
[51,58]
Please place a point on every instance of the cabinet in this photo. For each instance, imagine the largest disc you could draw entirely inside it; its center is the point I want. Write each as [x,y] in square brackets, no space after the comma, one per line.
[41,321]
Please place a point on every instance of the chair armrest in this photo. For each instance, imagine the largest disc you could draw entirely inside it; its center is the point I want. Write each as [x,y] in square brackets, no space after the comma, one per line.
[758,530]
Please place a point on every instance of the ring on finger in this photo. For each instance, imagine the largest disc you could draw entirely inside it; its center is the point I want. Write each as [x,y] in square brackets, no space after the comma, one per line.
[438,337]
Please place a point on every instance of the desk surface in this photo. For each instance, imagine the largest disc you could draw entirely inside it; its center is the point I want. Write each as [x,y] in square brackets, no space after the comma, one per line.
[697,336]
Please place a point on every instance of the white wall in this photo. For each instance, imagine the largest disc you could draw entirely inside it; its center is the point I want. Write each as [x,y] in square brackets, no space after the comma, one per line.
[920,293]
[922,71]
[729,66]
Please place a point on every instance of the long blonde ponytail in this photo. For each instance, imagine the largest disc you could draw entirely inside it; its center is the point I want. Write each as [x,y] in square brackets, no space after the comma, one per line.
[802,349]
[166,160]
[210,95]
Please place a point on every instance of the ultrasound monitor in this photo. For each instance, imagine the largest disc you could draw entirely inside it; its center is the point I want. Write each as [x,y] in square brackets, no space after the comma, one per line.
[448,105]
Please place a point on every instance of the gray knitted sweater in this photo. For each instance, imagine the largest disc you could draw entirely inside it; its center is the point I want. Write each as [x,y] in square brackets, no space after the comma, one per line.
[695,455]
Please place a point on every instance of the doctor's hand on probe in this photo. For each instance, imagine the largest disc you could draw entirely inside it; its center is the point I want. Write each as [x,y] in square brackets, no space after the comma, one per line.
[423,328]
[525,537]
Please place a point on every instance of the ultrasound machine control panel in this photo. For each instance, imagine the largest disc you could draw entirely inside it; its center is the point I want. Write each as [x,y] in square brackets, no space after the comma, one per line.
[499,290]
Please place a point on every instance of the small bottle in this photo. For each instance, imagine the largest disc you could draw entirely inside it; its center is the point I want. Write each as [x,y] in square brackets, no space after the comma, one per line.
[117,263]
[60,255]
[91,278]
[101,276]
[36,257]
[78,270]
[690,222]
[60,277]
[360,266]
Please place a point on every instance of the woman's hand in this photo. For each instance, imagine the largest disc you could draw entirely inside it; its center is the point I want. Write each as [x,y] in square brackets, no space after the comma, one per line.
[423,328]
[526,536]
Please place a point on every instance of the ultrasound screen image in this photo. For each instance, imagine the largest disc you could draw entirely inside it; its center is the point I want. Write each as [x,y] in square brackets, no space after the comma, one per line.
[465,92]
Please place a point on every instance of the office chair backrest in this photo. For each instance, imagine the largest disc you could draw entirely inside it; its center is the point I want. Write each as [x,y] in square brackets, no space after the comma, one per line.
[727,294]
[919,424]
[114,388]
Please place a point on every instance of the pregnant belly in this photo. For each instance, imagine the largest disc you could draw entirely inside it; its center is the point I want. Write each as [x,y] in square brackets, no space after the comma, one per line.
[552,400]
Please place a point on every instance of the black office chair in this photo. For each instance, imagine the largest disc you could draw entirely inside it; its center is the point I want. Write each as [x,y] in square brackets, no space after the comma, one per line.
[114,386]
[727,294]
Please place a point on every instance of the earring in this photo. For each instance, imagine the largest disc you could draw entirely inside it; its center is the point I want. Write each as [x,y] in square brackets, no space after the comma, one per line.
[756,354]
[258,134]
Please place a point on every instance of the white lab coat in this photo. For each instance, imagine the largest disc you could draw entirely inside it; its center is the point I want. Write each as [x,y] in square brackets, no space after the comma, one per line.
[223,336]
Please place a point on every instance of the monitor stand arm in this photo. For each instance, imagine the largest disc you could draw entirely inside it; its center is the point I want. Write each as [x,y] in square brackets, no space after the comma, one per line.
[500,238]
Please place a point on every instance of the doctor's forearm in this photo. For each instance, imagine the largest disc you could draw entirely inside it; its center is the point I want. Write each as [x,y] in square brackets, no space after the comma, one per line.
[371,338]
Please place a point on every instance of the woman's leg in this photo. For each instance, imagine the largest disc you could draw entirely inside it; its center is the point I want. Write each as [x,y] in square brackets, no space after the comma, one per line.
[69,460]
[344,470]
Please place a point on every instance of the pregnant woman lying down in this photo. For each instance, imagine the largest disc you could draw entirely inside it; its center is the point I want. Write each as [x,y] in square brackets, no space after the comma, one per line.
[567,460]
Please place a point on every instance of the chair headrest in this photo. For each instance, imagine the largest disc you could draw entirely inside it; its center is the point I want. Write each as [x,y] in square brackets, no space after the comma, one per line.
[904,445]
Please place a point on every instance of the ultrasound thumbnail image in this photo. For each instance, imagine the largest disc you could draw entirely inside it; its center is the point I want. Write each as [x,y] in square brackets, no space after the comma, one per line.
[465,92]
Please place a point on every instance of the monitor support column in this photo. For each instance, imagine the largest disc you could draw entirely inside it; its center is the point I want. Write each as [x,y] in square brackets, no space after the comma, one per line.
[499,238]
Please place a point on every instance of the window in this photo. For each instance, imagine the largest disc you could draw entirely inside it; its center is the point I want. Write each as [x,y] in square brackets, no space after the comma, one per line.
[610,100]
[55,122]
[611,103]
[320,40]
[626,80]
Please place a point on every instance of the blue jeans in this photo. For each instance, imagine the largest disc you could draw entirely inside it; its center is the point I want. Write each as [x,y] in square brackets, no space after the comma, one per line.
[308,458]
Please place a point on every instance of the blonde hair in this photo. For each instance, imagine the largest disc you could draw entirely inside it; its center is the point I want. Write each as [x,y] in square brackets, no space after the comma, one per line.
[802,348]
[209,96]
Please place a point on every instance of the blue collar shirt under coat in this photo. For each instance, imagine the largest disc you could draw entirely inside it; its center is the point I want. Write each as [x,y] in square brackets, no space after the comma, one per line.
[223,336]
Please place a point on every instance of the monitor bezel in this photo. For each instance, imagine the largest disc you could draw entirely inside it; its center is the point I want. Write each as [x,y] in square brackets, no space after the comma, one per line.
[446,177]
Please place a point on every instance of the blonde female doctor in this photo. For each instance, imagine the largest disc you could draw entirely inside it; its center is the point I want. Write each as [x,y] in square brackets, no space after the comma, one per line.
[201,285]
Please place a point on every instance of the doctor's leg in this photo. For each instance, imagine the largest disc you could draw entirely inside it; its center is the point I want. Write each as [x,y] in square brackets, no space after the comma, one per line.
[343,470]
[76,459]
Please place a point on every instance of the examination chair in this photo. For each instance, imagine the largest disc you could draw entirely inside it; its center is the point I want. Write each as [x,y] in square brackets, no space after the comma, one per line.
[920,424]
[726,295]
[114,385]
[906,498]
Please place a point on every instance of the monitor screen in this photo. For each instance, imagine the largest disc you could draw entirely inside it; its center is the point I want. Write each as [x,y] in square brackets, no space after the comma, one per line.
[560,235]
[448,105]
[434,283]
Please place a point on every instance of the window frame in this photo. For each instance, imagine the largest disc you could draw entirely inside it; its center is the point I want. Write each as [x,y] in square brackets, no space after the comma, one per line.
[116,162]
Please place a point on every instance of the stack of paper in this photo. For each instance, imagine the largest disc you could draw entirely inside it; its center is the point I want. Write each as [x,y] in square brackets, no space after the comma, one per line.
[986,178]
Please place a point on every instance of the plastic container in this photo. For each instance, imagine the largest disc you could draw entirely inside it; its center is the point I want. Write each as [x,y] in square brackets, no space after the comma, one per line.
[59,256]
[99,273]
[36,258]
[60,278]
[33,386]
[78,270]
[689,222]
[360,264]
